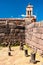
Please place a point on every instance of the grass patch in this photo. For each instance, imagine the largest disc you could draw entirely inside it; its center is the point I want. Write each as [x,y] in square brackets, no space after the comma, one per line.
[15,44]
[27,47]
[12,44]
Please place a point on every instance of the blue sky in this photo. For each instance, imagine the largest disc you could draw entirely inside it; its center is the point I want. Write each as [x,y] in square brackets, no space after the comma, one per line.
[15,8]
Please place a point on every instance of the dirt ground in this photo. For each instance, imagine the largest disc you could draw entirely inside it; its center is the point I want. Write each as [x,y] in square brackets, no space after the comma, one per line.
[17,57]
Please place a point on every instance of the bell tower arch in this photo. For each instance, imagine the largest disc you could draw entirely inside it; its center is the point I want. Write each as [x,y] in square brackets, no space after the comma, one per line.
[29,10]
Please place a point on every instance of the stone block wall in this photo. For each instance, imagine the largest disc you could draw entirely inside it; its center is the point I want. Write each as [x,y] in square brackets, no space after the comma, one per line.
[34,36]
[17,31]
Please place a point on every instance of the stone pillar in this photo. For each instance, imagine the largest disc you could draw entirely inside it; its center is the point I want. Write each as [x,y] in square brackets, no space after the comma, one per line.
[9,49]
[33,56]
[9,53]
[26,52]
[21,46]
[9,46]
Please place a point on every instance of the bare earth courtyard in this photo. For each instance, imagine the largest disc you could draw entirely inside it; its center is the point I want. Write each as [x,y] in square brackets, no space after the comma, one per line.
[17,58]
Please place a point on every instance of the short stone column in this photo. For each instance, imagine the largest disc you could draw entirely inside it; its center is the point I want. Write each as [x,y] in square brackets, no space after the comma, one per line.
[26,52]
[9,53]
[21,46]
[33,56]
[9,46]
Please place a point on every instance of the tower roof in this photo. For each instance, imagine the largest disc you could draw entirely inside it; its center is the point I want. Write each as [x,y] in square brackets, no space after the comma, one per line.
[30,6]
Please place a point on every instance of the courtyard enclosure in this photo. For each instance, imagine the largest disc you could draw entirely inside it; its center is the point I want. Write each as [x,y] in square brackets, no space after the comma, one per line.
[25,30]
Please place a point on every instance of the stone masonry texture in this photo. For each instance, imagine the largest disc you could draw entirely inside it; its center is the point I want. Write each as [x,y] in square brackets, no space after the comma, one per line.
[34,35]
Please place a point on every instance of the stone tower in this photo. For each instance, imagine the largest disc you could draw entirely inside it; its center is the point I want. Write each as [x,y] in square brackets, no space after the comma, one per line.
[29,10]
[29,14]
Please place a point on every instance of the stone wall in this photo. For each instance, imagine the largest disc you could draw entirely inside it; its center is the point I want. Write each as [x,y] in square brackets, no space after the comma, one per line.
[17,30]
[34,36]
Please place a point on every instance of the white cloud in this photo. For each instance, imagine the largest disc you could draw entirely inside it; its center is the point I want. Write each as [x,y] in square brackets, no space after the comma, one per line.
[23,15]
[34,16]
